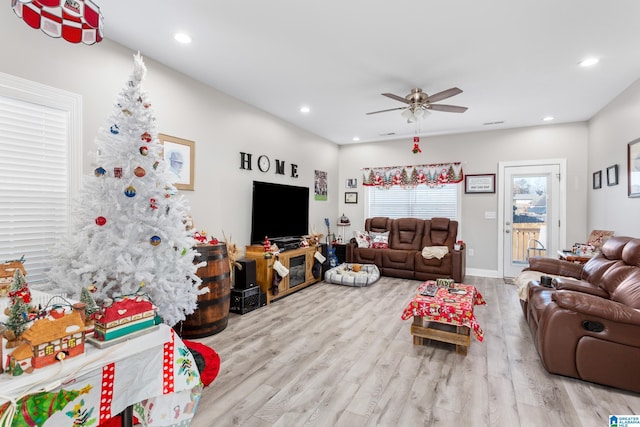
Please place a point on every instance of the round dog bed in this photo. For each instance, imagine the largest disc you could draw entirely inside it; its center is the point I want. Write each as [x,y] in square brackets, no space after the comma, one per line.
[347,274]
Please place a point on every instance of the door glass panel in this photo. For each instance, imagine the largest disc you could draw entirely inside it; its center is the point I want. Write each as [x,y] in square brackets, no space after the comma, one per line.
[529,229]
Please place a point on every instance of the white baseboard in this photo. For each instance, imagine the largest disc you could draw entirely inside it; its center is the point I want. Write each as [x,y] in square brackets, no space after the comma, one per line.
[481,273]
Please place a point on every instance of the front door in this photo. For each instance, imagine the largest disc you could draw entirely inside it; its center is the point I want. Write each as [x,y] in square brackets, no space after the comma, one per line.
[530,203]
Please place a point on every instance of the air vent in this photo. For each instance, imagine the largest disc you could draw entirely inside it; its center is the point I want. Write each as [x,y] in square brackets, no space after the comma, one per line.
[388,134]
[493,123]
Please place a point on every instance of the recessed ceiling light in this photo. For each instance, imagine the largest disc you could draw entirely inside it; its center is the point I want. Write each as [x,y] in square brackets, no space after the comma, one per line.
[548,118]
[182,38]
[589,62]
[305,109]
[355,138]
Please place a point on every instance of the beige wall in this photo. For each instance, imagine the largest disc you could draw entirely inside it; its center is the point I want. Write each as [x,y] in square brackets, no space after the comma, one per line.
[610,131]
[480,153]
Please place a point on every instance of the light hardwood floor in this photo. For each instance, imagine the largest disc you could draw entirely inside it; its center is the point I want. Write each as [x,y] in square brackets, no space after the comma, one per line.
[333,355]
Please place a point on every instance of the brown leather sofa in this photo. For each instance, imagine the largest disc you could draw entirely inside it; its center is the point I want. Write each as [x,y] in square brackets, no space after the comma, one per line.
[587,324]
[407,238]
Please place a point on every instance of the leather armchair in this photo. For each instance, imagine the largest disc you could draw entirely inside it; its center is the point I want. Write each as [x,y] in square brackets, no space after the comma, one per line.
[587,325]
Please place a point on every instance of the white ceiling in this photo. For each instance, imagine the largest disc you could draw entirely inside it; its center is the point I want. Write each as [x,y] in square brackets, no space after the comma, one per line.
[516,61]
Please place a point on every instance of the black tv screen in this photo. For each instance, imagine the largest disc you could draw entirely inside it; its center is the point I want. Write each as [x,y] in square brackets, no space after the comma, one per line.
[278,211]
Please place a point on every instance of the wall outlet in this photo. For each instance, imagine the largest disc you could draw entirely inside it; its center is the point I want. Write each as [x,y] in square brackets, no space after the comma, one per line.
[469,251]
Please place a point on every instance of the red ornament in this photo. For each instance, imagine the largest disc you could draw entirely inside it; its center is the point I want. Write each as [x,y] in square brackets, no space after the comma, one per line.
[101,221]
[416,146]
[146,137]
[139,172]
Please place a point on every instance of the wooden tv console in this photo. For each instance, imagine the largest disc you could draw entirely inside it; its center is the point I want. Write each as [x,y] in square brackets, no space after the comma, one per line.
[299,262]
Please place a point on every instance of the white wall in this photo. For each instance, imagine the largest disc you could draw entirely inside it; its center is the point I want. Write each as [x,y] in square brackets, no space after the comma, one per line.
[480,153]
[610,131]
[221,126]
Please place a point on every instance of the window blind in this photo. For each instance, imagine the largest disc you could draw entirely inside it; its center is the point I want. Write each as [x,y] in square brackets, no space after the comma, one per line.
[421,201]
[34,182]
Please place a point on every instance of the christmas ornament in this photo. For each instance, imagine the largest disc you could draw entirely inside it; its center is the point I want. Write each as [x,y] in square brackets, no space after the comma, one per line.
[139,172]
[101,221]
[146,105]
[156,164]
[153,203]
[155,240]
[144,150]
[416,145]
[126,112]
[146,137]
[130,191]
[117,172]
[100,171]
[114,129]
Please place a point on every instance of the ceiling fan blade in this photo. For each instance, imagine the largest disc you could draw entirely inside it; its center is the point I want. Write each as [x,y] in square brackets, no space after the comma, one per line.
[444,94]
[396,97]
[384,111]
[447,108]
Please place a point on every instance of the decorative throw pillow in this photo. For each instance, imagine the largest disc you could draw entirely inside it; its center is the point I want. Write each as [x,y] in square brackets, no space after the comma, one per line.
[362,238]
[379,240]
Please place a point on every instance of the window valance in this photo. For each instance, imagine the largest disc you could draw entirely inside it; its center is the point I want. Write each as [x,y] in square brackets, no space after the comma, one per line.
[433,175]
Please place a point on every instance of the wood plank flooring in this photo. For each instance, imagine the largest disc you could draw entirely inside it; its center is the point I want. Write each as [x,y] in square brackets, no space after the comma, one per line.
[333,355]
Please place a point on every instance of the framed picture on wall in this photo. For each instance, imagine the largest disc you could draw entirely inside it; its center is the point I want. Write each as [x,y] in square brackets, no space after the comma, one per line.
[351,197]
[597,180]
[484,183]
[612,175]
[180,157]
[352,183]
[633,167]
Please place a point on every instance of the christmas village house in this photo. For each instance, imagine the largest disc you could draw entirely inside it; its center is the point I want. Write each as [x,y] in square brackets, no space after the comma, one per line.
[49,340]
[7,270]
[124,316]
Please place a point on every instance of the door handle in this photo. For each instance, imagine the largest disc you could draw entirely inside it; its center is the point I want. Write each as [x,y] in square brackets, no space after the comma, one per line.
[507,231]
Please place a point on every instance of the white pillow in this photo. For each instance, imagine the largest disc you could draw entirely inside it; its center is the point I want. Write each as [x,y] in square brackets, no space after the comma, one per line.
[380,240]
[362,238]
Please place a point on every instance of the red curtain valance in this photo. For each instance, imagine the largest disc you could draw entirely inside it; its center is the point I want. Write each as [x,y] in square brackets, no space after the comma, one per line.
[434,175]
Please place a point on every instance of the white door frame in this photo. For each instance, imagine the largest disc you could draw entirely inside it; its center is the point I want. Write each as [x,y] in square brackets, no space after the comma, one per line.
[562,214]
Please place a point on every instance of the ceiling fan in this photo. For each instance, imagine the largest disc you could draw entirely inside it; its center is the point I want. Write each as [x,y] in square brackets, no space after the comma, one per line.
[419,103]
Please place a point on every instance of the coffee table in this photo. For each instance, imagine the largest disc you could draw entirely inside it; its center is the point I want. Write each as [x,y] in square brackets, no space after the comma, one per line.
[447,316]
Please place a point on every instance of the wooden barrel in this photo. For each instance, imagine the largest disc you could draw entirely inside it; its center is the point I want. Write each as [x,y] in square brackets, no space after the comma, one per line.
[212,313]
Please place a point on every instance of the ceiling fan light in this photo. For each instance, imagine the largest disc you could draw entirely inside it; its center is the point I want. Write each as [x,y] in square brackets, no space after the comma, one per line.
[418,113]
[407,114]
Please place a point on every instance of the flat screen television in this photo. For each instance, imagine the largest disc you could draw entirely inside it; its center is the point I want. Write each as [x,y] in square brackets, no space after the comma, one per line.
[278,211]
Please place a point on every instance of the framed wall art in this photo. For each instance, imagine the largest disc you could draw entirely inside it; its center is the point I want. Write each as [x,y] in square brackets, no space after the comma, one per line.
[320,187]
[180,157]
[351,197]
[352,183]
[612,175]
[482,183]
[597,180]
[633,167]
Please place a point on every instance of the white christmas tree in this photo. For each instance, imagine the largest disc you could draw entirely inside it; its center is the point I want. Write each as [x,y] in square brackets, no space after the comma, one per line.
[129,235]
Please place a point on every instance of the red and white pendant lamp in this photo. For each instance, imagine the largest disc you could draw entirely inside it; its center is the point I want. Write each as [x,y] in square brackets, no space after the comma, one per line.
[74,20]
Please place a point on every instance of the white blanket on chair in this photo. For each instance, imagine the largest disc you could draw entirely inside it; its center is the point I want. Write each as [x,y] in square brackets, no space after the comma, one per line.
[439,252]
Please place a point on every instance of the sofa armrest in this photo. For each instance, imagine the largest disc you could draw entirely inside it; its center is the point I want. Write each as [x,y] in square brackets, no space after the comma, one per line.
[556,267]
[349,250]
[458,264]
[572,284]
[596,306]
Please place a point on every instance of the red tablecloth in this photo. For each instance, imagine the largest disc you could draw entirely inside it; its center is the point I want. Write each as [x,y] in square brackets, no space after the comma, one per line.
[447,307]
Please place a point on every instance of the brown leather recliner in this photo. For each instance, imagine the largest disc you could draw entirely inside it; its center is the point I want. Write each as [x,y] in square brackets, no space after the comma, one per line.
[587,325]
